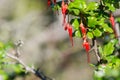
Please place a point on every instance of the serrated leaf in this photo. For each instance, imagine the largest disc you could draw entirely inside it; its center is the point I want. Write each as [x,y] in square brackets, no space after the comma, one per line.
[77,4]
[110,6]
[92,21]
[108,48]
[101,21]
[76,11]
[92,6]
[75,24]
[90,35]
[106,28]
[97,33]
[114,41]
[77,33]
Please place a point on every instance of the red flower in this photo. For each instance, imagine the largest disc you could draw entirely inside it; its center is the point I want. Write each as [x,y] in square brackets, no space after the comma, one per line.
[49,2]
[86,45]
[69,28]
[112,20]
[64,8]
[66,26]
[83,29]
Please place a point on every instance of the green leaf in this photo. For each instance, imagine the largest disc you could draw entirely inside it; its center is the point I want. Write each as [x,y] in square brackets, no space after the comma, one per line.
[76,11]
[75,24]
[114,41]
[77,4]
[90,35]
[118,19]
[106,28]
[17,68]
[92,6]
[101,21]
[100,50]
[110,6]
[78,34]
[56,7]
[2,52]
[3,75]
[97,33]
[8,45]
[108,48]
[92,21]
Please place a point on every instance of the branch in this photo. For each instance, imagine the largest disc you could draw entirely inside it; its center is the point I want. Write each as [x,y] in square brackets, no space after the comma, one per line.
[29,69]
[95,49]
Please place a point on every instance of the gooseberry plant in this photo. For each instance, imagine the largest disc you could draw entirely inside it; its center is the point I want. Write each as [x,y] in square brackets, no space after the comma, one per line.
[94,21]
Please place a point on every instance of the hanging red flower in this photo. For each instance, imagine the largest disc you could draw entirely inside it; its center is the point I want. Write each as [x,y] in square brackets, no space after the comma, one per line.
[69,28]
[83,29]
[64,8]
[49,3]
[86,45]
[112,20]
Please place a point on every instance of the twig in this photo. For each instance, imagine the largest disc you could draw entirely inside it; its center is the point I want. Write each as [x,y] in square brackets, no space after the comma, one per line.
[29,69]
[95,49]
[18,44]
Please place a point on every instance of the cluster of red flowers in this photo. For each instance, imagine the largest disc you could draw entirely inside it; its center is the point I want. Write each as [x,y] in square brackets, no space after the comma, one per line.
[86,44]
[67,26]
